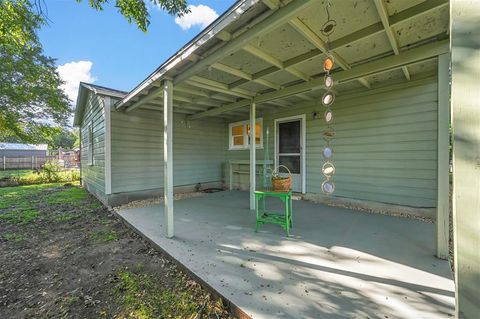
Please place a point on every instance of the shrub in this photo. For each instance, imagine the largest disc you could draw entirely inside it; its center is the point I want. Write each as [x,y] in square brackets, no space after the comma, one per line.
[51,172]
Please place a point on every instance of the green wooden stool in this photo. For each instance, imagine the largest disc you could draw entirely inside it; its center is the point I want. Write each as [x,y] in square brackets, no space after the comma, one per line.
[271,217]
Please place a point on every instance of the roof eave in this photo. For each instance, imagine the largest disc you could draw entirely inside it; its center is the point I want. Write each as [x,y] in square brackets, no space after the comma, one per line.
[79,105]
[208,33]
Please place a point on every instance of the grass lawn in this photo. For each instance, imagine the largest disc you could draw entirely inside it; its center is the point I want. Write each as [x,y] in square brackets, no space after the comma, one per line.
[64,255]
[16,172]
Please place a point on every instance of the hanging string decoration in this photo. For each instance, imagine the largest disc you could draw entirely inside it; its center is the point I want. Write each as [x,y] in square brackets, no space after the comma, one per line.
[328,169]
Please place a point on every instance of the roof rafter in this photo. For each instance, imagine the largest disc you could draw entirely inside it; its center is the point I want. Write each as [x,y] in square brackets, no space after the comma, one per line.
[366,32]
[275,62]
[428,51]
[156,92]
[383,13]
[148,106]
[244,75]
[269,24]
[315,39]
[194,91]
[218,87]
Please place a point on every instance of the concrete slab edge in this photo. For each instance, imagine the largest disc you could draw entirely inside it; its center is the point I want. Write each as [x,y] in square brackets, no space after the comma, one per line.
[237,311]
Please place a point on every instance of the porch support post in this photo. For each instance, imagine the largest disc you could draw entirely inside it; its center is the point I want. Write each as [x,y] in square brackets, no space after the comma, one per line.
[443,158]
[465,98]
[252,156]
[168,156]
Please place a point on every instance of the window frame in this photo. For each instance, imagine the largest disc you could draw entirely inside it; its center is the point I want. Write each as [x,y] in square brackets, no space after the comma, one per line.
[246,144]
[90,143]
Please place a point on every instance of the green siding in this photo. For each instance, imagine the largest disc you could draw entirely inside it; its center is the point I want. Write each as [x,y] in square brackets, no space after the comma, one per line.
[137,150]
[385,147]
[94,175]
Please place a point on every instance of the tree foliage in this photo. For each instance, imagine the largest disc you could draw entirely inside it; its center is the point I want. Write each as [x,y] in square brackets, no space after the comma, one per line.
[32,105]
[137,11]
[30,96]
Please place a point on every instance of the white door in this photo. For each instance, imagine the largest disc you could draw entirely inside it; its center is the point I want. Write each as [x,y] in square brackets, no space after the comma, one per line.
[289,148]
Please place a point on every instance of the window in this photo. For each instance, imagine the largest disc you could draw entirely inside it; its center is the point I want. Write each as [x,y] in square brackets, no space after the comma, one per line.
[90,143]
[239,135]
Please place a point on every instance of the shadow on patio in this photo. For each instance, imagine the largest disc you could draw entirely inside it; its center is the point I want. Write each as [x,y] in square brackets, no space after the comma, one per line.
[337,263]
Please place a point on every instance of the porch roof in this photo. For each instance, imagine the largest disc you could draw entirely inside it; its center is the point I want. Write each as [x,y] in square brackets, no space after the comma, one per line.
[271,52]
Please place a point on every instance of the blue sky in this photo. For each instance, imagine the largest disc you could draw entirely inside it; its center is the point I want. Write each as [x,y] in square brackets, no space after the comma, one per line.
[102,47]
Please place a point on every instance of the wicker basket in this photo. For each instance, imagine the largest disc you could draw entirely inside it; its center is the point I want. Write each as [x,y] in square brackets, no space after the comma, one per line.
[281,184]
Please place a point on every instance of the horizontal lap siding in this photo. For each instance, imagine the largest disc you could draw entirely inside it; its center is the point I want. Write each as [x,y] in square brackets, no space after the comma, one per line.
[385,146]
[137,150]
[94,174]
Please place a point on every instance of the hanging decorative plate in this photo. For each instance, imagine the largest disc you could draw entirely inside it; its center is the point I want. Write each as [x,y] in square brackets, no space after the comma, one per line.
[329,134]
[327,152]
[328,98]
[328,63]
[328,81]
[328,187]
[328,116]
[328,27]
[328,169]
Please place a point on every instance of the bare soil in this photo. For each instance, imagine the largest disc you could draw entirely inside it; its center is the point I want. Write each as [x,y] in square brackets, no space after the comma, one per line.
[64,255]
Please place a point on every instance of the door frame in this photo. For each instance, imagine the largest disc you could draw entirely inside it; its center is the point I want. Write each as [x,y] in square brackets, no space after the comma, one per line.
[303,131]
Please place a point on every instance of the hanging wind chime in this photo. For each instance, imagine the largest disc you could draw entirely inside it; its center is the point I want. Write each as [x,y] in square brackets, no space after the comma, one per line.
[328,169]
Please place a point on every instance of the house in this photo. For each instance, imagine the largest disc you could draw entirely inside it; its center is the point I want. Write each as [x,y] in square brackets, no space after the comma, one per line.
[23,150]
[260,68]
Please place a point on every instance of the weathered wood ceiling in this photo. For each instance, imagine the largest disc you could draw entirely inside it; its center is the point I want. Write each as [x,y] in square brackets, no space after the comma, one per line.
[272,54]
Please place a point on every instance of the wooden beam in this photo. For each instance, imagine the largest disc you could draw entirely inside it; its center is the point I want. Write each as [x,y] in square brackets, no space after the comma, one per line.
[244,75]
[253,171]
[465,99]
[192,91]
[157,107]
[407,57]
[280,103]
[305,97]
[416,10]
[443,157]
[383,13]
[315,39]
[275,20]
[150,97]
[195,91]
[275,62]
[195,101]
[215,88]
[221,86]
[272,4]
[168,158]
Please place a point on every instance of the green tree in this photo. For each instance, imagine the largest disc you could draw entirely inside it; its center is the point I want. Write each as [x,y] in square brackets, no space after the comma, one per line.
[136,10]
[63,138]
[32,105]
[30,96]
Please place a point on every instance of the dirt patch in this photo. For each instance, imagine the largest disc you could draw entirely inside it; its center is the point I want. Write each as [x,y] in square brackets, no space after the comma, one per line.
[65,256]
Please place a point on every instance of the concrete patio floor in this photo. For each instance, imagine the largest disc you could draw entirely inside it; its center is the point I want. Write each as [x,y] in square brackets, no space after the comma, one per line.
[337,263]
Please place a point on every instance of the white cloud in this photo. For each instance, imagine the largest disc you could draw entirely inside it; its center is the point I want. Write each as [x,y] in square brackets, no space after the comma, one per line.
[73,73]
[200,15]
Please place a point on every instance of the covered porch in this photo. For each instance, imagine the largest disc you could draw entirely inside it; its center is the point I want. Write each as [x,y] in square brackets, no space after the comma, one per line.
[337,263]
[399,66]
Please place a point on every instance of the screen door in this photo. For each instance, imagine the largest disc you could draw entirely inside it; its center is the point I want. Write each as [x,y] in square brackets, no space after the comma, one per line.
[289,149]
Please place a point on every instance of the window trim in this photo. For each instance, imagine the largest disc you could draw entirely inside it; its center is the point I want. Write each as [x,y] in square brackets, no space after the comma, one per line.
[245,146]
[90,143]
